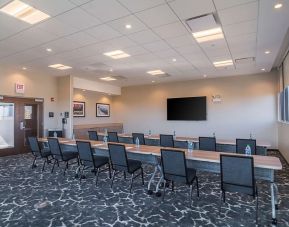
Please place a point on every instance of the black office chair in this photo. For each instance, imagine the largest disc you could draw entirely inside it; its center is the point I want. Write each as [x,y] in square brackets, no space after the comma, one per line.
[60,156]
[242,143]
[207,143]
[112,137]
[175,169]
[38,152]
[237,175]
[89,160]
[140,136]
[120,163]
[166,140]
[92,135]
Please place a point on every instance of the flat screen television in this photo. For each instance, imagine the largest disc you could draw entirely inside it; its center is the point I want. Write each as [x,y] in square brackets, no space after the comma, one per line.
[187,109]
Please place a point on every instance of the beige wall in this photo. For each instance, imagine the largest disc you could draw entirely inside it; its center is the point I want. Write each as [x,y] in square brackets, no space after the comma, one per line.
[37,85]
[91,98]
[283,128]
[249,105]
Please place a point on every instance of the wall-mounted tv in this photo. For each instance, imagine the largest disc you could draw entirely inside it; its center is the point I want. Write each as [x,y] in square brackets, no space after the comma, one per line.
[187,109]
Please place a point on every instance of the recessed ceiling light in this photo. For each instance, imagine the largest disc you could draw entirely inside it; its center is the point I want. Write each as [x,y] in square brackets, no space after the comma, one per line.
[153,81]
[108,78]
[24,68]
[263,69]
[24,12]
[117,54]
[205,75]
[267,52]
[48,49]
[174,60]
[278,5]
[83,90]
[156,72]
[223,63]
[110,70]
[128,26]
[60,66]
[208,35]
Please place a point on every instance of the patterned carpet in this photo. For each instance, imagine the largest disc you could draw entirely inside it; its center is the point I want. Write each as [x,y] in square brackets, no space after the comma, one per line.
[29,197]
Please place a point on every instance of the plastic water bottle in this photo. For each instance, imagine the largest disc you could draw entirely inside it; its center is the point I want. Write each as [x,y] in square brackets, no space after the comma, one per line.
[214,134]
[73,136]
[150,133]
[105,139]
[137,142]
[251,136]
[248,150]
[190,146]
[174,135]
[55,134]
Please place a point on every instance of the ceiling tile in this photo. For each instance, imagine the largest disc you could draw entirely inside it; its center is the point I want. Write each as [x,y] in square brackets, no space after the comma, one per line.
[156,46]
[185,40]
[120,25]
[157,16]
[106,10]
[240,28]
[81,38]
[171,30]
[239,13]
[103,32]
[186,9]
[140,5]
[78,18]
[79,2]
[223,4]
[146,36]
[51,7]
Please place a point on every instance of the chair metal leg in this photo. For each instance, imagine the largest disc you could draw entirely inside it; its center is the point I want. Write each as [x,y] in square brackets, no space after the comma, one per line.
[97,176]
[124,175]
[197,182]
[112,178]
[33,164]
[44,164]
[257,206]
[131,181]
[173,186]
[142,176]
[221,201]
[191,193]
[66,167]
[81,173]
[109,170]
[164,190]
[55,160]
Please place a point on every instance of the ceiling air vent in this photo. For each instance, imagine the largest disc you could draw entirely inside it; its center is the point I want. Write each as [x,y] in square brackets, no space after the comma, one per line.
[201,23]
[245,61]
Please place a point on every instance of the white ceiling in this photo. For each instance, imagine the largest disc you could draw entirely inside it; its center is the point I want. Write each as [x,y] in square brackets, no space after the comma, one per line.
[80,31]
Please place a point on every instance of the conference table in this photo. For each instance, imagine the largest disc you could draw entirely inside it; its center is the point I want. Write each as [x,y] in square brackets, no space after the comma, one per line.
[222,145]
[209,161]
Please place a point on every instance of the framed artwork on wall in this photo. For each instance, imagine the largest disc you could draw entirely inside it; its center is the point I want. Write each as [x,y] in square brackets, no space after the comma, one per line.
[102,110]
[78,109]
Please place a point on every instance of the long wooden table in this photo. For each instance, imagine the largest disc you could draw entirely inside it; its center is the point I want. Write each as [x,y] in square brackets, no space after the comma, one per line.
[209,161]
[181,142]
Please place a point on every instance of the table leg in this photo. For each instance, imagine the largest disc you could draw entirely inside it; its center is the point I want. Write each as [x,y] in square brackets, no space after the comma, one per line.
[158,193]
[274,201]
[152,179]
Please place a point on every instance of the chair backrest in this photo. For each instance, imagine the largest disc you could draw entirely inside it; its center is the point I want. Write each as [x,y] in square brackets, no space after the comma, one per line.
[166,140]
[174,164]
[237,174]
[85,151]
[34,145]
[242,143]
[207,143]
[140,136]
[118,156]
[112,137]
[54,146]
[92,135]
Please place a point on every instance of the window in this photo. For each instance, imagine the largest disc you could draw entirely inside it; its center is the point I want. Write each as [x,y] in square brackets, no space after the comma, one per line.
[283,104]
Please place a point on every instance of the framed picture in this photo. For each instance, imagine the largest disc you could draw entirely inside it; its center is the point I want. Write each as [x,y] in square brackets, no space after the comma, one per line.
[78,109]
[102,110]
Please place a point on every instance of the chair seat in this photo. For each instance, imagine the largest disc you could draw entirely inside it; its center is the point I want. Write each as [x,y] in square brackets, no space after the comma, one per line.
[133,165]
[69,155]
[100,161]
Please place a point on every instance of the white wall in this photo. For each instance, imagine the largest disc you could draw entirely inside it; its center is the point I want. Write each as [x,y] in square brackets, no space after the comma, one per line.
[249,105]
[91,98]
[37,85]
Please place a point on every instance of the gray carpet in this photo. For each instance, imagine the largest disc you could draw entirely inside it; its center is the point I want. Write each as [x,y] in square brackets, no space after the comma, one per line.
[29,197]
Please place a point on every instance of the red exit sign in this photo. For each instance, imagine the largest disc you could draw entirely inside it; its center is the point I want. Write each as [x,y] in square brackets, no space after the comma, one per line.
[19,88]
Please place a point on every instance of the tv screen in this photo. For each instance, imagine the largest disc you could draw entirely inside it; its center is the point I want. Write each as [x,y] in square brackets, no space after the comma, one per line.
[187,109]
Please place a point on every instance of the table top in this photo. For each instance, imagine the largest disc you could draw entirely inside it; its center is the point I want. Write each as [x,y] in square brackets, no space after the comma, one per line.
[266,162]
[193,139]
